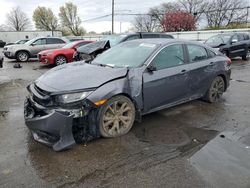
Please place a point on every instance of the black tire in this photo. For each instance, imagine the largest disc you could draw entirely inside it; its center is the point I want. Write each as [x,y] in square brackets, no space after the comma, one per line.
[60,60]
[22,56]
[215,90]
[116,117]
[246,56]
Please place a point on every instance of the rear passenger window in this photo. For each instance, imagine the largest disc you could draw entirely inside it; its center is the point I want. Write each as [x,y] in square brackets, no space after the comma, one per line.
[169,57]
[246,36]
[54,41]
[196,53]
[241,37]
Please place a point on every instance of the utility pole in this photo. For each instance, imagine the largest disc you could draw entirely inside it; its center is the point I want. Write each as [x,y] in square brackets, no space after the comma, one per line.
[113,14]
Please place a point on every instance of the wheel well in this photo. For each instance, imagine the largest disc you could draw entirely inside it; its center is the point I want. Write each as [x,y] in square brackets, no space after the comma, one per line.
[224,79]
[128,96]
[23,51]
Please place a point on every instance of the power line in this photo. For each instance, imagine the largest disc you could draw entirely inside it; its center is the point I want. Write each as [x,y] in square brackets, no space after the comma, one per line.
[97,18]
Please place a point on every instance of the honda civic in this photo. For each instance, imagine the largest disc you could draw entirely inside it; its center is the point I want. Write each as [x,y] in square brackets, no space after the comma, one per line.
[78,102]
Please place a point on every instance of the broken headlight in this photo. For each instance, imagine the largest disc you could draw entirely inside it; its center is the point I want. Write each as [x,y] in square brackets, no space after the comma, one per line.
[72,97]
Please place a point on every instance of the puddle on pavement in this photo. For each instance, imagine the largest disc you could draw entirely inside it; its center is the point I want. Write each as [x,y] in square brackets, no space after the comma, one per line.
[224,162]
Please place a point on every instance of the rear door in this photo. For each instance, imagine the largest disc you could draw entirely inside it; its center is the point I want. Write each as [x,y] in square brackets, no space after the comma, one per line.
[169,83]
[202,67]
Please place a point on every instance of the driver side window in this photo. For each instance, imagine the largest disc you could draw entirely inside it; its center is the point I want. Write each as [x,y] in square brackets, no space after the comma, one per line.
[39,42]
[170,56]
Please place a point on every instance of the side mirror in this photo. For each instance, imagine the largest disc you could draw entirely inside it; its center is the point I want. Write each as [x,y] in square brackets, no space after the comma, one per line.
[151,68]
[234,41]
[32,44]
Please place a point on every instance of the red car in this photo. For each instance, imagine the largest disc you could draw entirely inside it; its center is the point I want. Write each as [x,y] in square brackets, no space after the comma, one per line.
[62,55]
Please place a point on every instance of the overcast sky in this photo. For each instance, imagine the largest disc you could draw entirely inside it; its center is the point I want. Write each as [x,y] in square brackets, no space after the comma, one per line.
[87,9]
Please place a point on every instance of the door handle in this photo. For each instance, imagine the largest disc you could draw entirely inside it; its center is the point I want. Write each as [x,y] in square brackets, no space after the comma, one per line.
[211,64]
[183,71]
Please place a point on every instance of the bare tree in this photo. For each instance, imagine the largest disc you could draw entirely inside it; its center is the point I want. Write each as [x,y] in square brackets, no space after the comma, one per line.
[17,20]
[70,19]
[151,21]
[145,23]
[224,12]
[195,7]
[158,12]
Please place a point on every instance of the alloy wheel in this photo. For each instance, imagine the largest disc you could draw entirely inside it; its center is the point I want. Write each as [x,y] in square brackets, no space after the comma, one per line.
[60,60]
[217,89]
[22,56]
[118,118]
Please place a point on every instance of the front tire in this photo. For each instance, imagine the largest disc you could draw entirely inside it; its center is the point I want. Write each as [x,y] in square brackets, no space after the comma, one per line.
[22,56]
[117,117]
[60,60]
[216,90]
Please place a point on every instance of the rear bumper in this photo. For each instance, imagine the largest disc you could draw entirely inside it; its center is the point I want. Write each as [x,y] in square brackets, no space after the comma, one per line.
[53,129]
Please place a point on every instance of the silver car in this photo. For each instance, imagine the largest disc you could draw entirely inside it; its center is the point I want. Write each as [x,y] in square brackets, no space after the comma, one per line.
[30,49]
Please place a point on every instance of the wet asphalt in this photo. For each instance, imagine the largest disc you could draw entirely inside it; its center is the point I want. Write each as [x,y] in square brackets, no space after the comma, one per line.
[196,144]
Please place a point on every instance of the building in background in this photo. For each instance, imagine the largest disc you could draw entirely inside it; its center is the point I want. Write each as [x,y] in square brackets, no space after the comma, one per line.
[12,36]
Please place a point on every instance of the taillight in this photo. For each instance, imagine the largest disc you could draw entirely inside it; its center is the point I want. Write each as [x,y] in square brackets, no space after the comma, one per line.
[229,62]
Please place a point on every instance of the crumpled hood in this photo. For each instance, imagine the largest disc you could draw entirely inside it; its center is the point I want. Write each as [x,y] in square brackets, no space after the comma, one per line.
[77,76]
[95,47]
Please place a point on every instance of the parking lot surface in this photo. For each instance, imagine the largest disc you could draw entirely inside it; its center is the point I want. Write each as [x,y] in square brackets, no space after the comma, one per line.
[192,145]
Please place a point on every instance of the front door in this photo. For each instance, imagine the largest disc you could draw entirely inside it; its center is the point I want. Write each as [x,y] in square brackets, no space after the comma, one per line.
[37,46]
[168,84]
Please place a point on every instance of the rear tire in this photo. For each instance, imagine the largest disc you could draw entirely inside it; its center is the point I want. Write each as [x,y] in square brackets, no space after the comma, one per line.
[246,56]
[22,56]
[216,90]
[116,117]
[60,60]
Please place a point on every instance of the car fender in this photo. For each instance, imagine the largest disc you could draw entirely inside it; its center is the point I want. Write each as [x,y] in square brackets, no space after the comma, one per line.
[131,86]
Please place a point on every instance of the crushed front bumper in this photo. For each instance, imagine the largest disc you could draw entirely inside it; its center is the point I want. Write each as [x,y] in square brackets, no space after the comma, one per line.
[53,129]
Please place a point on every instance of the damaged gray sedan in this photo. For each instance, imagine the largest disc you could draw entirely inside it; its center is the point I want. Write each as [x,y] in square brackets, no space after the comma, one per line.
[78,102]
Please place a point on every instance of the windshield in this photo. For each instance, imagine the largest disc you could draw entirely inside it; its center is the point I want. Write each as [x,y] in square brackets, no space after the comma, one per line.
[129,54]
[114,39]
[218,40]
[71,44]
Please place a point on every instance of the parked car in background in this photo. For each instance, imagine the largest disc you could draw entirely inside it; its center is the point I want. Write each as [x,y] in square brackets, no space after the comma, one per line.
[121,84]
[2,44]
[118,38]
[17,42]
[89,52]
[232,45]
[61,55]
[22,52]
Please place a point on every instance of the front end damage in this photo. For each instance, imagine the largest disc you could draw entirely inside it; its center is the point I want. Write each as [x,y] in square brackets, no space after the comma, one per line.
[59,127]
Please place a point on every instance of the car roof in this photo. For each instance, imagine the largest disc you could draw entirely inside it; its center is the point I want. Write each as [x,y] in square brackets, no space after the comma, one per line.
[164,42]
